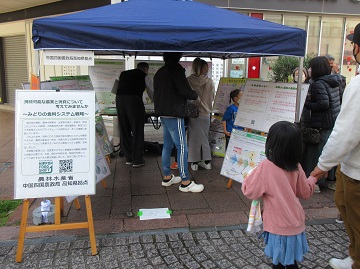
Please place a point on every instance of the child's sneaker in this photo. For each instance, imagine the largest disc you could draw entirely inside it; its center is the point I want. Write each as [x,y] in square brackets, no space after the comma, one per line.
[174,166]
[173,180]
[192,187]
[207,166]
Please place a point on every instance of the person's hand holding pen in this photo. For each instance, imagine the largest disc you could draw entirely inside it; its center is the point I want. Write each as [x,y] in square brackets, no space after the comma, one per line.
[227,133]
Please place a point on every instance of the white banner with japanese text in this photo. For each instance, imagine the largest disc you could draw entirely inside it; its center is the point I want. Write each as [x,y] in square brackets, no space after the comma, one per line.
[68,57]
[54,143]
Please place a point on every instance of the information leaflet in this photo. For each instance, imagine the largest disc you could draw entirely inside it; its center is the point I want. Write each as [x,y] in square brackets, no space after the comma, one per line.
[55,143]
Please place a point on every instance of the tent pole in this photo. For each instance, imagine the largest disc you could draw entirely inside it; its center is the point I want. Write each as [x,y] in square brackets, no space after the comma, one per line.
[298,93]
[36,70]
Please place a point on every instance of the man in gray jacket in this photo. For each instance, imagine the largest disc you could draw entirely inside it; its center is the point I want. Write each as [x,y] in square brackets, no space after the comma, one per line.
[343,149]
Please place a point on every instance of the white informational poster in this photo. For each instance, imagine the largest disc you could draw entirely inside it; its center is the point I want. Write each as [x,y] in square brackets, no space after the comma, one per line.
[216,124]
[102,134]
[217,143]
[102,168]
[54,143]
[103,75]
[226,86]
[61,85]
[217,139]
[84,81]
[245,151]
[264,103]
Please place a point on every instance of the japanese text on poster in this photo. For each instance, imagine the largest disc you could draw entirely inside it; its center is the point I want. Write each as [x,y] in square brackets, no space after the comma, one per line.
[55,143]
[264,103]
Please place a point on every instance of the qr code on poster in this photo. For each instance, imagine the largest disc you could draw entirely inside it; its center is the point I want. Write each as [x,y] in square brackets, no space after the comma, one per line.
[65,166]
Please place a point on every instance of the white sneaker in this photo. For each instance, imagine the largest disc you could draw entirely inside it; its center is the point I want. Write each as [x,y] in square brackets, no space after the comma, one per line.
[192,187]
[207,166]
[194,166]
[317,188]
[341,264]
[173,180]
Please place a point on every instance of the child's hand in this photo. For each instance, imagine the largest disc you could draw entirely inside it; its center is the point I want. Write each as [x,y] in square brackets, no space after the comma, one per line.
[318,173]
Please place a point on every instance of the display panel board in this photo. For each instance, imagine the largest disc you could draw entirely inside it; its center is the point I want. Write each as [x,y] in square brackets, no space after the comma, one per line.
[226,86]
[264,103]
[102,167]
[103,75]
[245,151]
[54,143]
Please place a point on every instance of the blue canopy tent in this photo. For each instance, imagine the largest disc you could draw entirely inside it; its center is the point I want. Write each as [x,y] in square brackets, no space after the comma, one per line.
[145,27]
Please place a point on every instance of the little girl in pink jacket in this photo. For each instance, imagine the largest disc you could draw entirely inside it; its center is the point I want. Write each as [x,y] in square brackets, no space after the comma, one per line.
[280,181]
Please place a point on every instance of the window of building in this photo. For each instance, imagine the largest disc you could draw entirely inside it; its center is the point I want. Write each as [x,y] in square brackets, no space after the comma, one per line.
[277,18]
[295,21]
[313,35]
[332,37]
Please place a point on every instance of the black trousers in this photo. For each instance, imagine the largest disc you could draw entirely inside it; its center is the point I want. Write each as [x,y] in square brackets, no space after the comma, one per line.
[131,114]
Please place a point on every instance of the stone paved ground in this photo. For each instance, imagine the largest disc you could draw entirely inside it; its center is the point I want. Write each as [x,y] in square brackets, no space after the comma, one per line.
[227,248]
[205,231]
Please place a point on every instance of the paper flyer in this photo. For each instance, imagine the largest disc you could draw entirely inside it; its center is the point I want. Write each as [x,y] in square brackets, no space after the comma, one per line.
[154,213]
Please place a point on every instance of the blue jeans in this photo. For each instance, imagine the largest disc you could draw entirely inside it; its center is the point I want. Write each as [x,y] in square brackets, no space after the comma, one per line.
[174,133]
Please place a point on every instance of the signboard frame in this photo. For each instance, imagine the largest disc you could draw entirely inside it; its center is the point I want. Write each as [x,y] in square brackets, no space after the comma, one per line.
[46,132]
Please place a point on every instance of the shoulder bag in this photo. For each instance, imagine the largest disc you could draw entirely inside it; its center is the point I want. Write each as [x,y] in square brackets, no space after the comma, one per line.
[192,110]
[310,135]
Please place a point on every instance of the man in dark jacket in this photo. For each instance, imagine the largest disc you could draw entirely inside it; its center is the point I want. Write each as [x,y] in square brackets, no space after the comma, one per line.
[171,92]
[131,112]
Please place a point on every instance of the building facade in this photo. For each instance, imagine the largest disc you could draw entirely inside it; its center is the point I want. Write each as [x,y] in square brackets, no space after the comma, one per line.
[327,23]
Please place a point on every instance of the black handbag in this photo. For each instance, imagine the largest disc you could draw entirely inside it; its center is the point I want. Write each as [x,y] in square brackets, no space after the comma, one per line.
[311,135]
[192,110]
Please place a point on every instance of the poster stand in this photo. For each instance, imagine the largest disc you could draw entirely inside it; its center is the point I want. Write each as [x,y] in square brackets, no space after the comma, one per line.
[229,184]
[89,224]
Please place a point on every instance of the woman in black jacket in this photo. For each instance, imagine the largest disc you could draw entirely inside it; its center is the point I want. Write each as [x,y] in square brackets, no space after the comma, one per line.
[322,106]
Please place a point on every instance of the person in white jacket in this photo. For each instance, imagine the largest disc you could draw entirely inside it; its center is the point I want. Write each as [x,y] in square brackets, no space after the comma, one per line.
[343,149]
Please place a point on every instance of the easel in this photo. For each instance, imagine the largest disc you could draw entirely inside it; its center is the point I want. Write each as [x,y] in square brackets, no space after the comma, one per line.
[89,224]
[229,184]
